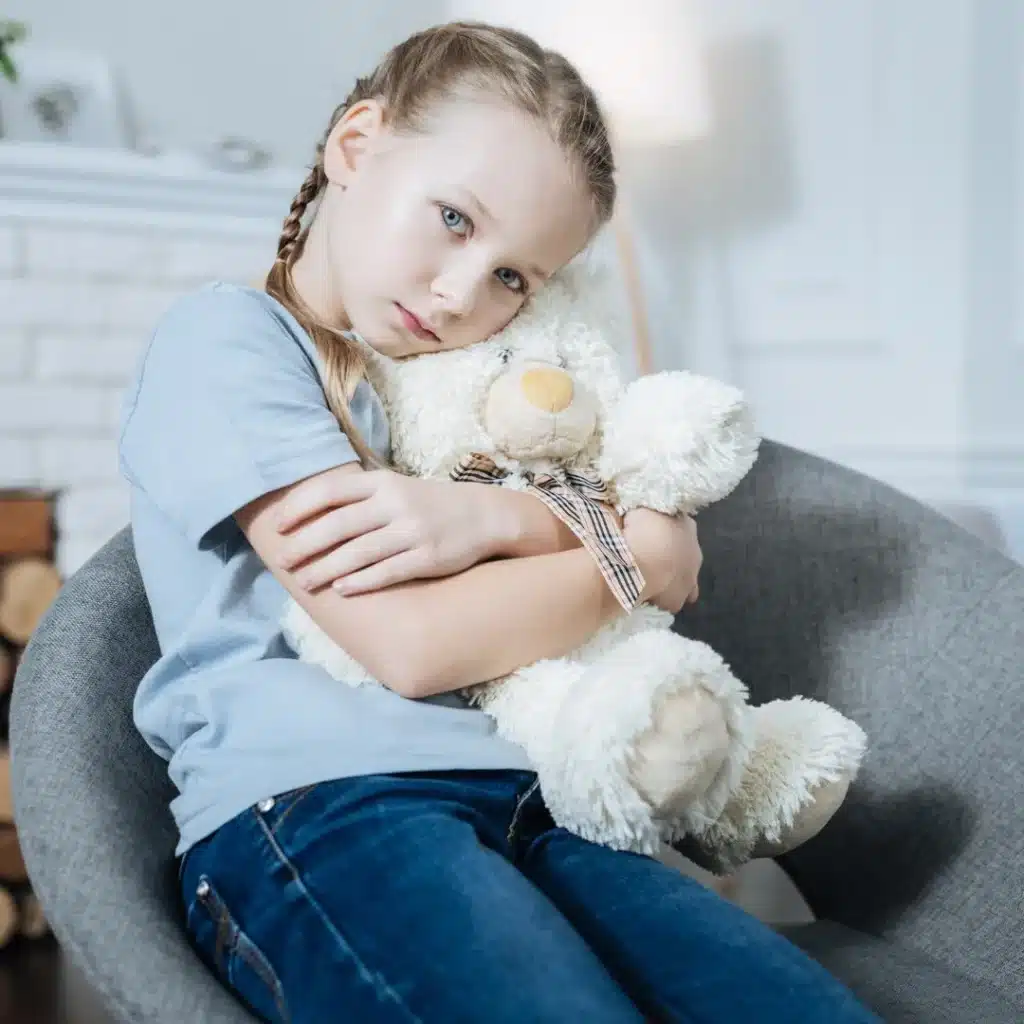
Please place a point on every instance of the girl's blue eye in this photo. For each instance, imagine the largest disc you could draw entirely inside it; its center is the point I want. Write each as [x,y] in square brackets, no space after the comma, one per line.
[459,224]
[512,279]
[454,221]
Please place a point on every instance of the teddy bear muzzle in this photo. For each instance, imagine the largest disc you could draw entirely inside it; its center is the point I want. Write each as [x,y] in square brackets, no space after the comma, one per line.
[537,410]
[549,390]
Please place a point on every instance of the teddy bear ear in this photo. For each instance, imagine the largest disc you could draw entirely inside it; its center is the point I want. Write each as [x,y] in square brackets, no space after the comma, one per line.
[594,286]
[584,301]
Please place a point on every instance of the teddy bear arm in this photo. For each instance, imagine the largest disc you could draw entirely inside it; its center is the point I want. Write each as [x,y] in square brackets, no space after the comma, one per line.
[677,442]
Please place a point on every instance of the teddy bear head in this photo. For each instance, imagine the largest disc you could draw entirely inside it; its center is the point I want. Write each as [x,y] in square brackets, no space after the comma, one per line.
[534,394]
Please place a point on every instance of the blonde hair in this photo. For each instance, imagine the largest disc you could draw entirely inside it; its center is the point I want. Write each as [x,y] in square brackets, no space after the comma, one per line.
[427,67]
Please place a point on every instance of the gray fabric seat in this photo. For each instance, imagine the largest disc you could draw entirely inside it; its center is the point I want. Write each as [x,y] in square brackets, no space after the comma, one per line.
[817,581]
[901,984]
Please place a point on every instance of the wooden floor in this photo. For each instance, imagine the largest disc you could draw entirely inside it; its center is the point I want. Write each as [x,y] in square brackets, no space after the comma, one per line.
[38,986]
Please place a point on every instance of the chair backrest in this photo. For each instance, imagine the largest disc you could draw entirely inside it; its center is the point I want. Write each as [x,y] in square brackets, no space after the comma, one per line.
[823,582]
[91,800]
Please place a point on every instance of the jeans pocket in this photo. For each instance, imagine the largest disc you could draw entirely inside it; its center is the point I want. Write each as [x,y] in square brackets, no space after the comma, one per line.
[237,960]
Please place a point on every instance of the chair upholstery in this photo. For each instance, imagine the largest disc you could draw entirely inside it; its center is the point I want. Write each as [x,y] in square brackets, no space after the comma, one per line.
[902,985]
[817,580]
[91,801]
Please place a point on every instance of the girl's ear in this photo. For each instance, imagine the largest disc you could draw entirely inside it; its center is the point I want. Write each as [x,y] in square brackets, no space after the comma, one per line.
[350,139]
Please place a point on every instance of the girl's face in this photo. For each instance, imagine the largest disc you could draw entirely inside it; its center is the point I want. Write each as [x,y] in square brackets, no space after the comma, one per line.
[434,241]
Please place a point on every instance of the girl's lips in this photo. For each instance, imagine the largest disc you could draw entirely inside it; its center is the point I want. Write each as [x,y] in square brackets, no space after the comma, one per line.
[414,324]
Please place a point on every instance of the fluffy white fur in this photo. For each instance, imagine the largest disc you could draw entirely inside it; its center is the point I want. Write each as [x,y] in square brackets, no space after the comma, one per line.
[639,736]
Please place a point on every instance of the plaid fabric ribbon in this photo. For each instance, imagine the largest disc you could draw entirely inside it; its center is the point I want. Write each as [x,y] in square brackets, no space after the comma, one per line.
[580,501]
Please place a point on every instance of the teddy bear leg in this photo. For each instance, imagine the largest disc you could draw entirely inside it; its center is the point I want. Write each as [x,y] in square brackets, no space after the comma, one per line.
[652,727]
[804,757]
[824,800]
[691,757]
[676,760]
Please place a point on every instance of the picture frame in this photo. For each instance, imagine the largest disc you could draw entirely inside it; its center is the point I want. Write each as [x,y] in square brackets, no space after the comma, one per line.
[64,96]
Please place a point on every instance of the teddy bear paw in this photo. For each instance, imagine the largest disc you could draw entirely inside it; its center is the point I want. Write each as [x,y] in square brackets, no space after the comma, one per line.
[823,801]
[805,756]
[678,758]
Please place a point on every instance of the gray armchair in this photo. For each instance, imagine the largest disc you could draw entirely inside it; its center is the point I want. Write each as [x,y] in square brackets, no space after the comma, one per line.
[817,581]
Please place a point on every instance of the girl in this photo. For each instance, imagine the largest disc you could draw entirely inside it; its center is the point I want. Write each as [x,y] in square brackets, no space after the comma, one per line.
[380,854]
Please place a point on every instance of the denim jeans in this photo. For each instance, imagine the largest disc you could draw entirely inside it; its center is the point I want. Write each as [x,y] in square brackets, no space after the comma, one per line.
[452,897]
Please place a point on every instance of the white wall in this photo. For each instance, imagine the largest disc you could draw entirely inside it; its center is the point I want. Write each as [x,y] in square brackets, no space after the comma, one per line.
[198,70]
[846,242]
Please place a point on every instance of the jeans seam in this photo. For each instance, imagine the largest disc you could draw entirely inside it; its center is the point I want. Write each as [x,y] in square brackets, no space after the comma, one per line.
[249,953]
[232,944]
[379,985]
[306,790]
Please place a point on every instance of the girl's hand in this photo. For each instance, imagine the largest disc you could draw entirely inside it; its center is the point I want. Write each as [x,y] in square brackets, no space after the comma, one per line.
[365,530]
[669,556]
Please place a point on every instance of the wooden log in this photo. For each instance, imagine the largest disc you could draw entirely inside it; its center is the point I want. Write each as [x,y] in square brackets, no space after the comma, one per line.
[6,669]
[26,523]
[12,865]
[6,799]
[32,921]
[28,587]
[8,917]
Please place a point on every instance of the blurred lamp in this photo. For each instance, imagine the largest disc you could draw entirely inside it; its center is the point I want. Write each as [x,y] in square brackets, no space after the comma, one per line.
[643,59]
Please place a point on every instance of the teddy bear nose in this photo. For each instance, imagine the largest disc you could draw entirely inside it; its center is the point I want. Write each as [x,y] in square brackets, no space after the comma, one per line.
[550,390]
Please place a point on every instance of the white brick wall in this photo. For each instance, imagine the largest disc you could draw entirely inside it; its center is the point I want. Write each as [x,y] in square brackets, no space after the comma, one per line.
[77,303]
[17,461]
[32,408]
[92,356]
[10,251]
[15,354]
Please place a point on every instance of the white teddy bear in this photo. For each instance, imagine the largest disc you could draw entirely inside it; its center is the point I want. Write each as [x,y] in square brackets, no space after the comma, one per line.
[640,736]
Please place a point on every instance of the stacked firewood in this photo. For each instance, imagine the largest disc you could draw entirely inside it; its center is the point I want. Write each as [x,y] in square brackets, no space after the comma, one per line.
[29,582]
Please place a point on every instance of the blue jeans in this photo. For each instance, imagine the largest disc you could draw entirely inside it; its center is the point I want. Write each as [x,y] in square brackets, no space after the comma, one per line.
[453,898]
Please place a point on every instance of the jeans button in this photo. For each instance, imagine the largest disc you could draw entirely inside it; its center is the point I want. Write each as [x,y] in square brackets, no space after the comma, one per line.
[203,889]
[266,805]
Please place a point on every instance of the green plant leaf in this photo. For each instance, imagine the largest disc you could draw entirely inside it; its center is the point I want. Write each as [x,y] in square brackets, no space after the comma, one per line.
[7,68]
[11,32]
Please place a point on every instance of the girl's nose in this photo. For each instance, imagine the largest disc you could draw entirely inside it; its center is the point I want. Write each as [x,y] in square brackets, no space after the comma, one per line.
[457,293]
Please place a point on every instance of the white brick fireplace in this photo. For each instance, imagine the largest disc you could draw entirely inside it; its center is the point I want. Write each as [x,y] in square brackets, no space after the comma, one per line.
[93,247]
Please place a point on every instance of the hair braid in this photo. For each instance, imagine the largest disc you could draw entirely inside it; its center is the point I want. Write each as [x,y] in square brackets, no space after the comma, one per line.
[343,362]
[288,245]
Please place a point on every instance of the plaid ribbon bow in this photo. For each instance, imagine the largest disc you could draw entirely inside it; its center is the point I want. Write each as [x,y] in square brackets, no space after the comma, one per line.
[580,501]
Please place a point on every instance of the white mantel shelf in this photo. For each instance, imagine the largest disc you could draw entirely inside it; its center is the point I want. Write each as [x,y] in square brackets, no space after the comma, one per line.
[50,181]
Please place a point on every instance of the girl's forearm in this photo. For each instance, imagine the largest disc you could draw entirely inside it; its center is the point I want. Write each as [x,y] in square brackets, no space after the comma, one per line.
[430,635]
[523,525]
[480,624]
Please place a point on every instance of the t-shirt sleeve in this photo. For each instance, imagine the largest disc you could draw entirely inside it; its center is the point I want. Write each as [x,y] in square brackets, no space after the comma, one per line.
[226,406]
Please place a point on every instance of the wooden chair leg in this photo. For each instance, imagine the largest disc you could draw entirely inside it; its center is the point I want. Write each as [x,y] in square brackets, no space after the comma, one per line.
[634,291]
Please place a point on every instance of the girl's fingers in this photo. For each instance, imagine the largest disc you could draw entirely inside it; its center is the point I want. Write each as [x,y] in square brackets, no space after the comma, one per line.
[358,554]
[400,568]
[340,526]
[322,492]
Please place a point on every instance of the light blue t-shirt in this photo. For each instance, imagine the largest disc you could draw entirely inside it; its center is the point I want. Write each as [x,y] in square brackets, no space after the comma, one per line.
[226,405]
